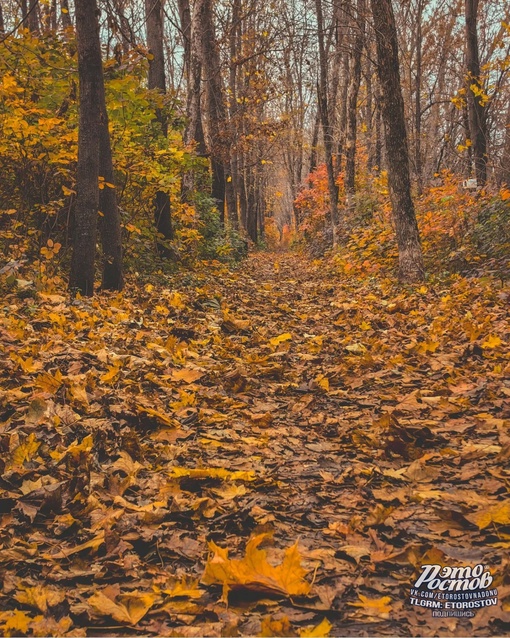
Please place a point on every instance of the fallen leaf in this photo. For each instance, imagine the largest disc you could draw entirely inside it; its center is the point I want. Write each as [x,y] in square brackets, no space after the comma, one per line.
[253,572]
[130,609]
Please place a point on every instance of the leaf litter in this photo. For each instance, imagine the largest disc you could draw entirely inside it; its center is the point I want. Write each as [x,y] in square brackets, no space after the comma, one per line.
[271,451]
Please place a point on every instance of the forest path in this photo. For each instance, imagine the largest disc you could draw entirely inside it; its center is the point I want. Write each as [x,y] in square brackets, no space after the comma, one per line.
[350,417]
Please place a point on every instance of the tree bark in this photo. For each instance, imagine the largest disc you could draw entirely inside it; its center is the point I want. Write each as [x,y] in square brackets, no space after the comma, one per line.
[126,33]
[65,15]
[111,234]
[87,181]
[475,92]
[33,17]
[216,109]
[504,177]
[322,92]
[411,267]
[417,100]
[352,106]
[157,81]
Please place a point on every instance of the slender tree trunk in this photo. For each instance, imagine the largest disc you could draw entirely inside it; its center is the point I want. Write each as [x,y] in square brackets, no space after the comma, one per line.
[111,235]
[315,141]
[411,267]
[251,221]
[467,134]
[377,163]
[322,92]
[2,24]
[194,132]
[49,16]
[505,168]
[217,115]
[477,117]
[342,115]
[352,107]
[157,80]
[90,71]
[33,16]
[417,100]
[126,33]
[232,186]
[65,15]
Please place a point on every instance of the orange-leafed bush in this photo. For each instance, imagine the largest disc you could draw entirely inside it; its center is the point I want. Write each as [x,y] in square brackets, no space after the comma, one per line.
[312,203]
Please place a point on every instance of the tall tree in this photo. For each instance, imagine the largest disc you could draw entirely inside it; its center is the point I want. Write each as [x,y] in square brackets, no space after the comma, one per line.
[411,267]
[475,94]
[203,22]
[65,15]
[194,132]
[322,90]
[90,73]
[352,106]
[94,161]
[417,98]
[33,16]
[157,81]
[111,235]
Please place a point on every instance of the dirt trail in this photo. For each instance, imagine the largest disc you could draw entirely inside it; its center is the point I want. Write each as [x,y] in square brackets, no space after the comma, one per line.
[273,398]
[356,448]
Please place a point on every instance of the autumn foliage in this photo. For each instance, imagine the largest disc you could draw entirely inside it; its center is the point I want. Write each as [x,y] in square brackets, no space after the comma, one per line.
[264,444]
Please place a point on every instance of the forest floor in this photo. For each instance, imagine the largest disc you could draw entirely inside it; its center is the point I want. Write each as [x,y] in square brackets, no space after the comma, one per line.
[332,435]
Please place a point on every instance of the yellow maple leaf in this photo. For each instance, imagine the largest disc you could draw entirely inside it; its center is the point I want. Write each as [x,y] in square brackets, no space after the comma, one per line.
[270,627]
[28,365]
[176,300]
[16,622]
[373,606]
[162,418]
[24,452]
[130,609]
[322,382]
[498,514]
[322,629]
[188,375]
[492,341]
[212,472]
[253,572]
[275,341]
[112,374]
[40,597]
[49,382]
[183,588]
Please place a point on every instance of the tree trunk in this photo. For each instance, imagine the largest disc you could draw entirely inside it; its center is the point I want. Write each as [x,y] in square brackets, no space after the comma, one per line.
[126,33]
[251,202]
[392,106]
[475,93]
[65,15]
[322,92]
[352,106]
[33,17]
[2,24]
[314,142]
[217,116]
[90,72]
[156,80]
[111,235]
[505,162]
[417,100]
